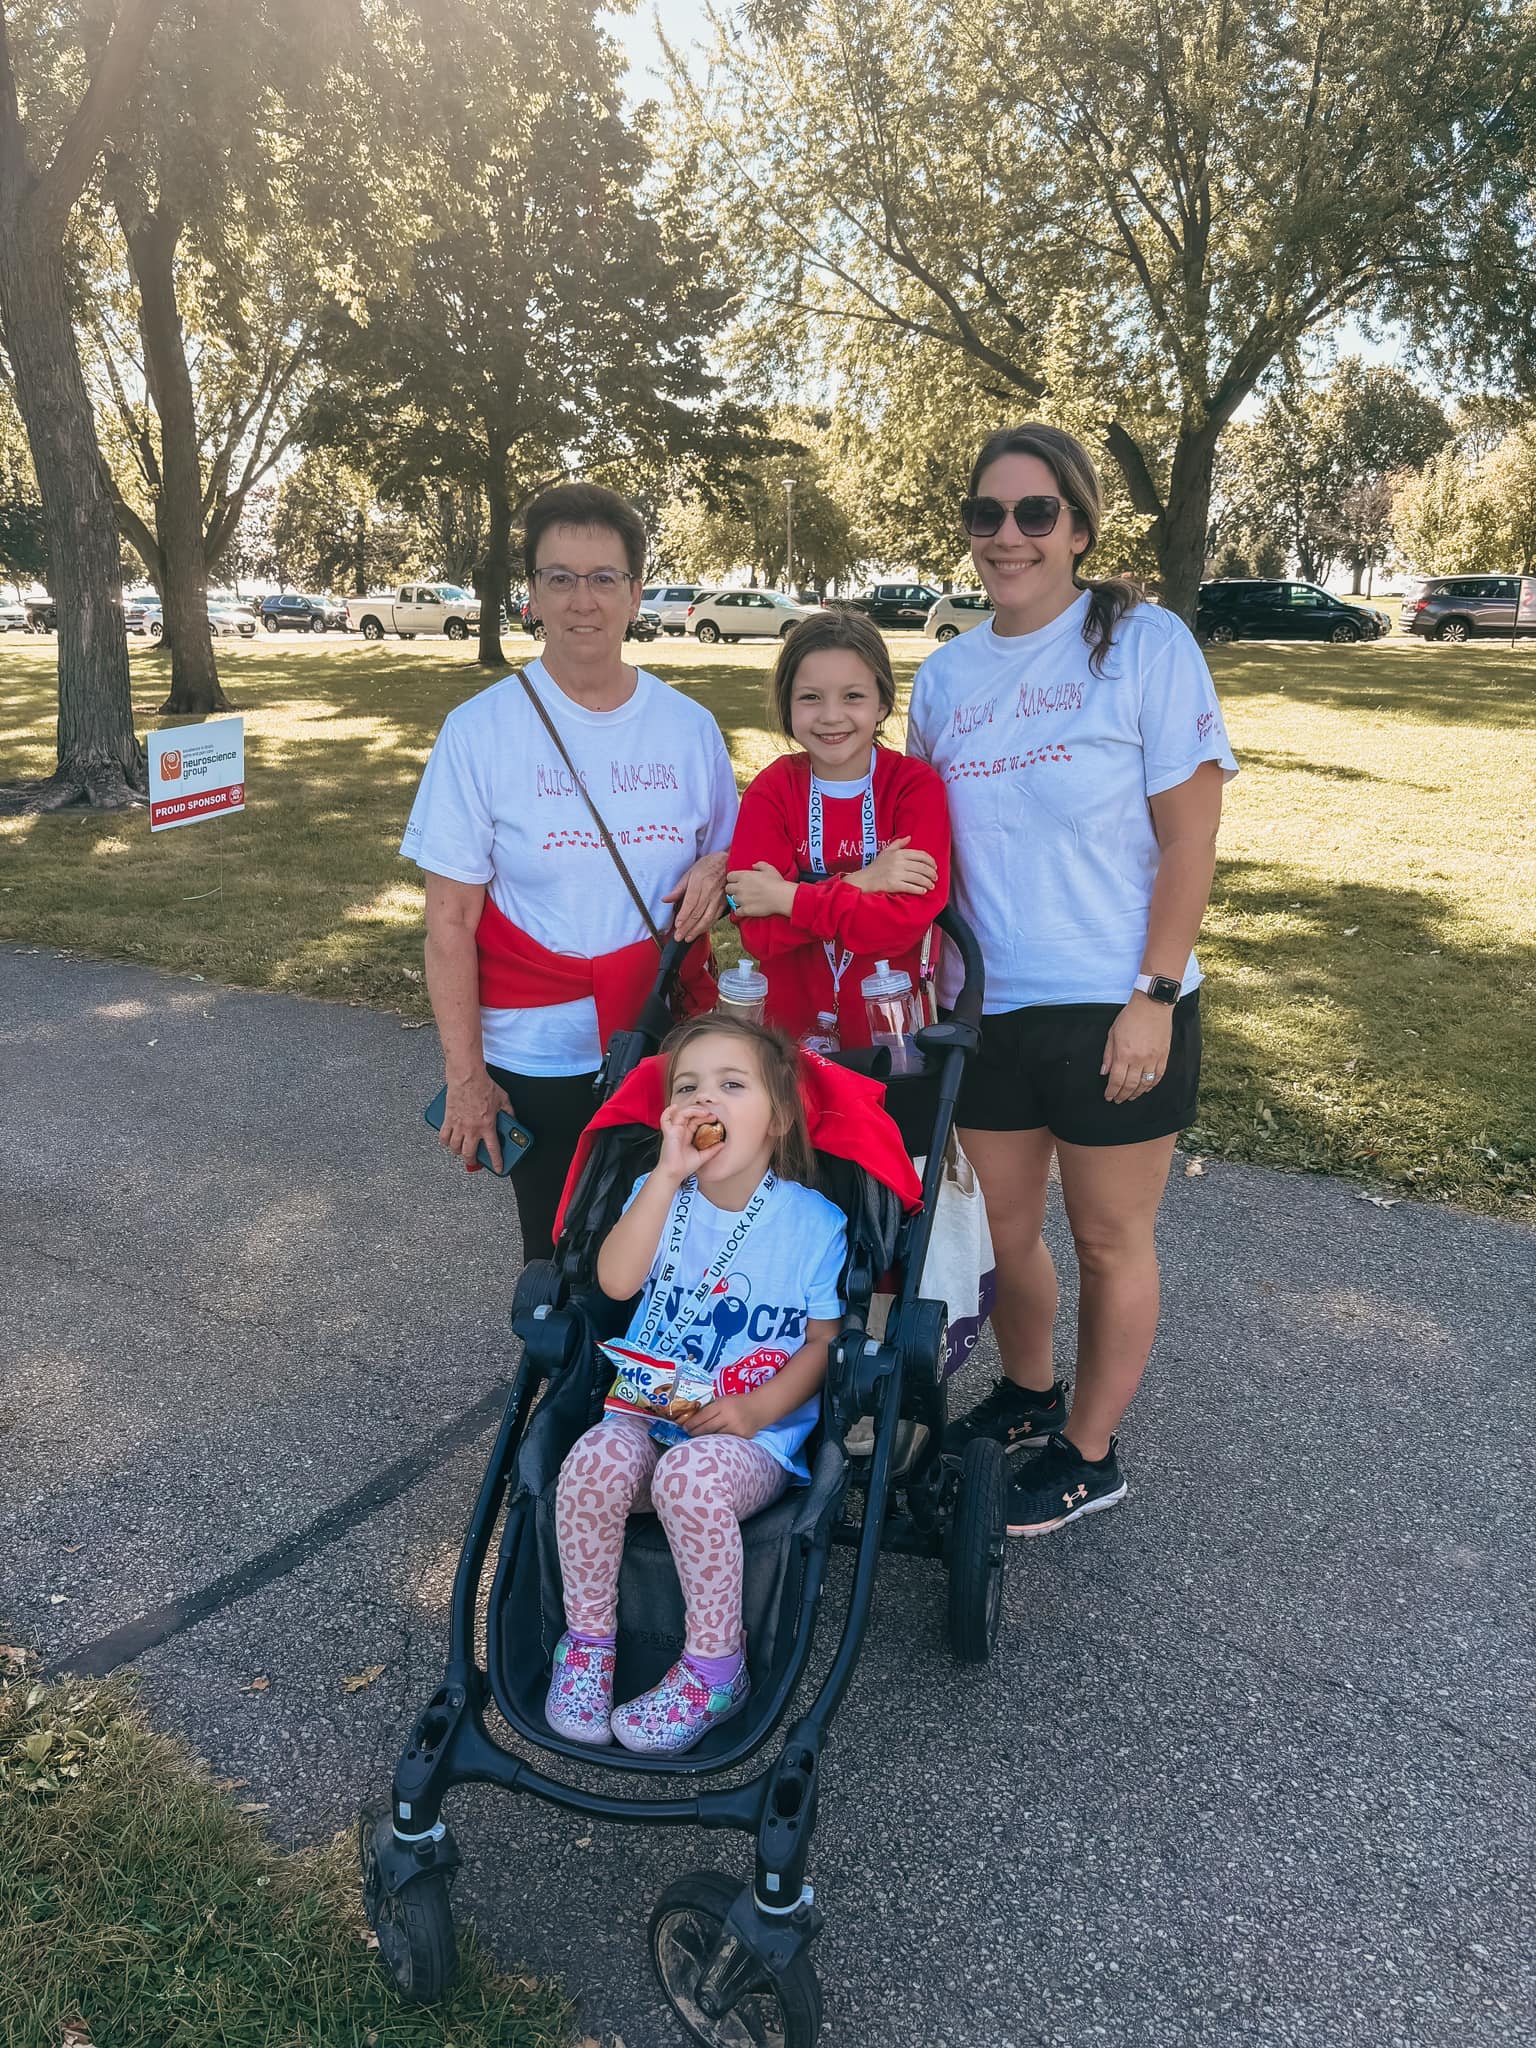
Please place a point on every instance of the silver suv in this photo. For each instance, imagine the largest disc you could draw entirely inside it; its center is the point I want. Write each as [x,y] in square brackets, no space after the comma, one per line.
[670,601]
[1456,607]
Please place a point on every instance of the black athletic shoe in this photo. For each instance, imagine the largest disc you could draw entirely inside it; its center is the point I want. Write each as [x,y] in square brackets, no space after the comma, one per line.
[1060,1485]
[1015,1417]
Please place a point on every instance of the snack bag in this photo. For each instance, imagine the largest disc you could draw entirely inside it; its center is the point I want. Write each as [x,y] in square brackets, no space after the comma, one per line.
[644,1384]
[691,1389]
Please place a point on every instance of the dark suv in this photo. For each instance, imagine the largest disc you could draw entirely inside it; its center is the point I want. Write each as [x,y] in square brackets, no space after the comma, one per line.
[895,604]
[1456,607]
[294,614]
[1246,609]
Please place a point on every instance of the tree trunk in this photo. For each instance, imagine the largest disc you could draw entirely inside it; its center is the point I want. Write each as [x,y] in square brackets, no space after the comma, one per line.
[493,572]
[1357,572]
[1182,529]
[360,555]
[100,761]
[152,241]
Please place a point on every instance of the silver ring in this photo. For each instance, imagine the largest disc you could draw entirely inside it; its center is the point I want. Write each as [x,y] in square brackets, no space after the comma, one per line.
[1150,1077]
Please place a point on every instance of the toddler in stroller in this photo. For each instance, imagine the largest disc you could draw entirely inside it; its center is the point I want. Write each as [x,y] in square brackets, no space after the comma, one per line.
[736,1263]
[732,1958]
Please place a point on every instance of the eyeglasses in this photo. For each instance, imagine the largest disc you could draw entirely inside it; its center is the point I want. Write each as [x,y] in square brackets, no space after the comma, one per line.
[1034,517]
[563,582]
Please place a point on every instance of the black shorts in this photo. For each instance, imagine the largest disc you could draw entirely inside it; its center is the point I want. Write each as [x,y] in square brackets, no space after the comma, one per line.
[1038,1069]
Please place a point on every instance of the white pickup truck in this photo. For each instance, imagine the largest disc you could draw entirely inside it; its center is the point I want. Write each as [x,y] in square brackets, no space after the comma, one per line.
[416,608]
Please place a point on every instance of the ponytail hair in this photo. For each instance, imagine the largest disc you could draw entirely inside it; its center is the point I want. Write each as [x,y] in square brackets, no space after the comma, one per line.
[1077,481]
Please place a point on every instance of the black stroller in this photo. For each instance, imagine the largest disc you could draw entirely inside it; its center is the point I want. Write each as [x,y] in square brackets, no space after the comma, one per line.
[733,1960]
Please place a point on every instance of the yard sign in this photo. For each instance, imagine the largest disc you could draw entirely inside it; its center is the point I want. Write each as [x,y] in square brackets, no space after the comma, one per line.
[196,771]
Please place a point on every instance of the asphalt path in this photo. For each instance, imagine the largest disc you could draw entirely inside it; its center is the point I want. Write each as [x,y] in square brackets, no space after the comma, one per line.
[1253,1763]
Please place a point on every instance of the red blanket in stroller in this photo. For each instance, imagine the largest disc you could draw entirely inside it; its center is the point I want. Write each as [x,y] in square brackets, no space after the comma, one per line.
[843,1111]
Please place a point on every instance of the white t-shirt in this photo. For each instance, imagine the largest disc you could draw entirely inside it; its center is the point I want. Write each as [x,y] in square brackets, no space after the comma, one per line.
[1048,769]
[784,1276]
[497,805]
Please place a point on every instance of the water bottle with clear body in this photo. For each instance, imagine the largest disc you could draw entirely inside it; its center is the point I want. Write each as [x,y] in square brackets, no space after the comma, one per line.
[824,1038]
[894,1015]
[743,991]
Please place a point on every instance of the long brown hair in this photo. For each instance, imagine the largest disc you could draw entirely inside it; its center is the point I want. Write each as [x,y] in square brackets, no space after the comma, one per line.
[1078,483]
[835,627]
[778,1061]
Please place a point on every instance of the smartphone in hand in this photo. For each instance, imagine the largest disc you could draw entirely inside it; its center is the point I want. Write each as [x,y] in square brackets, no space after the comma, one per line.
[516,1139]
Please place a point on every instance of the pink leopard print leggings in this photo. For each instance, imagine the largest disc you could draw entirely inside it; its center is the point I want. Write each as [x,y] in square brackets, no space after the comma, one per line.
[702,1492]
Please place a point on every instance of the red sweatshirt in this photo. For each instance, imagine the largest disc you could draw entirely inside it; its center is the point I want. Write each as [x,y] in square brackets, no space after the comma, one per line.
[774,825]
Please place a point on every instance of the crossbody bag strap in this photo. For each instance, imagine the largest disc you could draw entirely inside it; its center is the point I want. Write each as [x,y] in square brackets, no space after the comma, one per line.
[597,817]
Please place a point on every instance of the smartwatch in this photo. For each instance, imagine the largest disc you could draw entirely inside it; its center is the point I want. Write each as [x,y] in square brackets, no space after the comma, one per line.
[1158,986]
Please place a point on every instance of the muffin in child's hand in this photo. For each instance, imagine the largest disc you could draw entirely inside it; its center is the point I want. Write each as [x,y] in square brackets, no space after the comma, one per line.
[679,1408]
[708,1135]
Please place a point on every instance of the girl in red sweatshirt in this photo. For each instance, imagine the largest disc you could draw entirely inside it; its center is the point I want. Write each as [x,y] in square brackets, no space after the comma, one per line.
[841,853]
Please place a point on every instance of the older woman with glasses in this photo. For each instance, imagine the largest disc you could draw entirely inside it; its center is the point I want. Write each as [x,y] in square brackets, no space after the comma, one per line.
[1083,753]
[566,817]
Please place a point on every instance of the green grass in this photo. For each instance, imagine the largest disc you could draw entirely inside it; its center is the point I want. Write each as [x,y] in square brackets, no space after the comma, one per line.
[139,1909]
[1370,947]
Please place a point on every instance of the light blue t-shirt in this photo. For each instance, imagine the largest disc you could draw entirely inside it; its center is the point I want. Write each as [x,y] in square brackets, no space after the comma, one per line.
[784,1276]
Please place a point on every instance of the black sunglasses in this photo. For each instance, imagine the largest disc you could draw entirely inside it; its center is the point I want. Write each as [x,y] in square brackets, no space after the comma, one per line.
[1034,517]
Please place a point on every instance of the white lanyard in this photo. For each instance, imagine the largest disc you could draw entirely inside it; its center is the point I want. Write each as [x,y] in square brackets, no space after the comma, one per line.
[651,1336]
[839,963]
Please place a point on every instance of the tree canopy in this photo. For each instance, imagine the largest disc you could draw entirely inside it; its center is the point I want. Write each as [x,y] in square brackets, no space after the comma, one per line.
[1207,181]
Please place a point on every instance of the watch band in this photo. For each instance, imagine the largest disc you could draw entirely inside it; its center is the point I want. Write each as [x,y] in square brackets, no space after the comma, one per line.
[1162,988]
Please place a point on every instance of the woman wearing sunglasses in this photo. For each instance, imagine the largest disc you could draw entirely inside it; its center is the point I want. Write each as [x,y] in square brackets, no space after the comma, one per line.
[1084,755]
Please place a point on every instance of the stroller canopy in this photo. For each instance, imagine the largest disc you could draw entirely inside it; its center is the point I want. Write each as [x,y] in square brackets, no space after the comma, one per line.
[843,1110]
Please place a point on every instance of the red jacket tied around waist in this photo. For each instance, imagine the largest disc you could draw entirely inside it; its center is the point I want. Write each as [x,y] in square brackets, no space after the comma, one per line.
[774,826]
[517,973]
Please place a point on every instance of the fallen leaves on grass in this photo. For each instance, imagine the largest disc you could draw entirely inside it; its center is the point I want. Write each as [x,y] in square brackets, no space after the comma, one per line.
[230,1784]
[254,1806]
[1195,1169]
[362,1679]
[76,2035]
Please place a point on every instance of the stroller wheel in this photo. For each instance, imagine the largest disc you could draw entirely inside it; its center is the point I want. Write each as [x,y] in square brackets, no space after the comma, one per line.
[978,1550]
[414,1925]
[697,1971]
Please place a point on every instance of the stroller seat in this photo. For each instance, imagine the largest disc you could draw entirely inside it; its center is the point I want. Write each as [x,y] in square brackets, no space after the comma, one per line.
[527,1614]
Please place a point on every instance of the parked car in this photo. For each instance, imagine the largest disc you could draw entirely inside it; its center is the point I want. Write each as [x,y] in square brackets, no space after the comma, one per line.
[43,613]
[670,601]
[645,625]
[295,613]
[957,613]
[416,608]
[745,615]
[895,604]
[1457,607]
[1249,608]
[231,618]
[143,616]
[14,619]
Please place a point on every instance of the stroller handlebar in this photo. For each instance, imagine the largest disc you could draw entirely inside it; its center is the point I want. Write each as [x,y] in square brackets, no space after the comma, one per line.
[973,986]
[655,1017]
